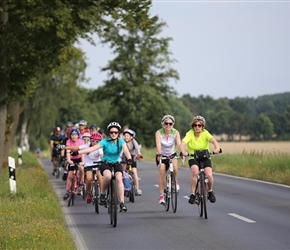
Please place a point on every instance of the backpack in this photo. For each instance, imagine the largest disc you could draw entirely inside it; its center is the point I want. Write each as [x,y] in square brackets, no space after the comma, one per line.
[127,181]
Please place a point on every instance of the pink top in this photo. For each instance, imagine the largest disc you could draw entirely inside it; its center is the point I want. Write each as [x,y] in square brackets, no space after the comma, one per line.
[78,142]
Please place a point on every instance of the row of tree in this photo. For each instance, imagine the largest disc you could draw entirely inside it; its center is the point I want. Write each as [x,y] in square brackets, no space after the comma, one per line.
[41,71]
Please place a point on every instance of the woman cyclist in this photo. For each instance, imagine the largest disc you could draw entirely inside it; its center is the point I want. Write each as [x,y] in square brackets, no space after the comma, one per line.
[167,139]
[133,146]
[73,157]
[198,138]
[113,148]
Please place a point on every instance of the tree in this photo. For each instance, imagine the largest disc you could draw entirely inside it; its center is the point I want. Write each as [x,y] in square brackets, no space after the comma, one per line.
[138,75]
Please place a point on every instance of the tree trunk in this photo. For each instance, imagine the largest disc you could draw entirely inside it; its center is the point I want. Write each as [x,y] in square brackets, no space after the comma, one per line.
[24,143]
[3,92]
[11,125]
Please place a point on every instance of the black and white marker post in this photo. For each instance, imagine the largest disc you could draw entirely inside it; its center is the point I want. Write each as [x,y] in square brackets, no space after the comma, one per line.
[12,175]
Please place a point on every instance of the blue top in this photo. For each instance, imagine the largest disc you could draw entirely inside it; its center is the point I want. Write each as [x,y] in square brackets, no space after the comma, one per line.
[112,149]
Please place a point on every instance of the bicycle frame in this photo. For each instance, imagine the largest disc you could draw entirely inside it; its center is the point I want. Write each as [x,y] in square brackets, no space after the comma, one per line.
[95,190]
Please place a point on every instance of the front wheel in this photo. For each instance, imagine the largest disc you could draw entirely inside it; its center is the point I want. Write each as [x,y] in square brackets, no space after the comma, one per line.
[167,192]
[132,192]
[203,194]
[95,195]
[113,204]
[174,193]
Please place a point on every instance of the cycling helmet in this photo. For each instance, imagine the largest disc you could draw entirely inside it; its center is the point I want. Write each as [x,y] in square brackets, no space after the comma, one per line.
[74,131]
[114,125]
[57,129]
[167,117]
[67,132]
[129,131]
[86,135]
[199,118]
[96,136]
[93,127]
[69,124]
[83,122]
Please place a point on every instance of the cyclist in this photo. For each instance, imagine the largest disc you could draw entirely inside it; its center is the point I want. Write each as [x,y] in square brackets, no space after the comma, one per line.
[198,138]
[96,155]
[55,139]
[83,128]
[167,139]
[113,148]
[133,146]
[73,157]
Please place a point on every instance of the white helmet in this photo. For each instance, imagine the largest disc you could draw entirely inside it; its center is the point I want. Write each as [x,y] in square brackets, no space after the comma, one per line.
[114,125]
[83,122]
[86,135]
[129,131]
[200,118]
[167,117]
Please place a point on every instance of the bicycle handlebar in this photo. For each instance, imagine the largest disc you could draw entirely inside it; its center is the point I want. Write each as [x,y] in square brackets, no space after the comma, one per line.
[192,155]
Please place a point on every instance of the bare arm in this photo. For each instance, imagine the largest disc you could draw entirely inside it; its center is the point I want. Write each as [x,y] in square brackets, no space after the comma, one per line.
[183,147]
[216,145]
[90,149]
[126,151]
[158,142]
[178,141]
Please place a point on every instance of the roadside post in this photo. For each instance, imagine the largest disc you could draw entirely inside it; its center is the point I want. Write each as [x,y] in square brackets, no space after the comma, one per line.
[12,174]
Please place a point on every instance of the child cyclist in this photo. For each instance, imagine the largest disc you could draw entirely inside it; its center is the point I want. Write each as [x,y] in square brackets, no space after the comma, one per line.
[134,150]
[72,158]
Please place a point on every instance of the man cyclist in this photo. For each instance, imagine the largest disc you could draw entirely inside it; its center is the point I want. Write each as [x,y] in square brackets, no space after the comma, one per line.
[55,139]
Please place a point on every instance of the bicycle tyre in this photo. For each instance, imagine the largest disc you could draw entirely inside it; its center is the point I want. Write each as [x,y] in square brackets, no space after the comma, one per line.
[200,201]
[114,203]
[173,193]
[96,197]
[132,192]
[72,193]
[167,195]
[57,173]
[203,194]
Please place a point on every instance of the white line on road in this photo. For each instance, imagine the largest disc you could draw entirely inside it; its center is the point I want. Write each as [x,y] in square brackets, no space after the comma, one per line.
[241,218]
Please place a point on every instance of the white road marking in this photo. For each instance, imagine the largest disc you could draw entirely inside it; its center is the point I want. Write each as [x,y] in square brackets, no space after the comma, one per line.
[241,218]
[156,185]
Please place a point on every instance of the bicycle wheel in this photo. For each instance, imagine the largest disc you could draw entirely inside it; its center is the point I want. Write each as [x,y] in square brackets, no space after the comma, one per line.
[58,167]
[96,196]
[199,199]
[167,193]
[113,203]
[132,192]
[71,193]
[203,194]
[173,193]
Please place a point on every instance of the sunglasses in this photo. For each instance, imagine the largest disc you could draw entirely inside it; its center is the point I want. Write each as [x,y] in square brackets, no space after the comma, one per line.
[86,139]
[197,125]
[114,132]
[168,123]
[94,141]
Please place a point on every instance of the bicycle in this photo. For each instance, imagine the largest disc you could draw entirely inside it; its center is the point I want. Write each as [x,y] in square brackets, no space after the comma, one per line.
[112,195]
[201,191]
[170,190]
[60,166]
[130,193]
[74,184]
[95,188]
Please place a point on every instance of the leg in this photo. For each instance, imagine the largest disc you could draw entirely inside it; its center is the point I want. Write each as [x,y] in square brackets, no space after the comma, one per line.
[89,177]
[106,178]
[120,186]
[175,170]
[162,174]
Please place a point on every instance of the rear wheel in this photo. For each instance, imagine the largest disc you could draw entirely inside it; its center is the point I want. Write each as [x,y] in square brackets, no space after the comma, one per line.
[71,193]
[132,192]
[173,193]
[58,167]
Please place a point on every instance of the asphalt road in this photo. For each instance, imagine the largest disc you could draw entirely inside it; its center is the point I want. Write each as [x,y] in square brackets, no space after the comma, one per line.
[247,215]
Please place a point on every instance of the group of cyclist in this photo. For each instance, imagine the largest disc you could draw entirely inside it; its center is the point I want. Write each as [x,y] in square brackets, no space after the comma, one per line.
[86,145]
[168,141]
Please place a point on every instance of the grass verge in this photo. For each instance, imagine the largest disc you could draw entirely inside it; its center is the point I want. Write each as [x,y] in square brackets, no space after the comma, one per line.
[31,218]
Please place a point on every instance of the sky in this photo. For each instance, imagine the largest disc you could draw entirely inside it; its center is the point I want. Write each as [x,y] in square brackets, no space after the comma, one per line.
[223,48]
